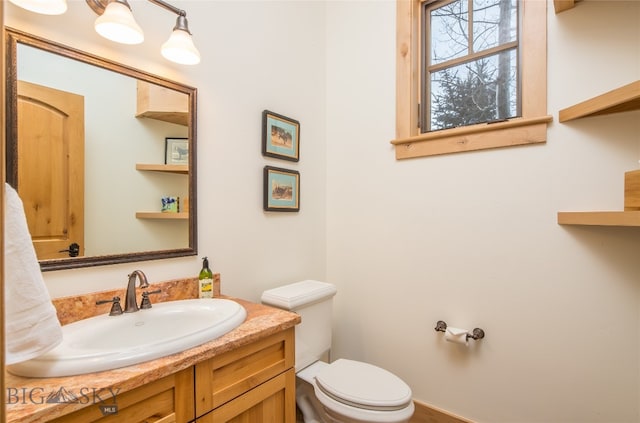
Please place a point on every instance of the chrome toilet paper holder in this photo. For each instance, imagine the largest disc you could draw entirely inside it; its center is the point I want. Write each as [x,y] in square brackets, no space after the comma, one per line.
[476,333]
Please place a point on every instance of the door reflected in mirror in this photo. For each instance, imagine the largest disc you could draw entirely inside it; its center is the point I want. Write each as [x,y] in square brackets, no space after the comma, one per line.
[90,156]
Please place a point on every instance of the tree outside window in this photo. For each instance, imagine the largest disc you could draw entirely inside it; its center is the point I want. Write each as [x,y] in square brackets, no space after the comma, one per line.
[470,63]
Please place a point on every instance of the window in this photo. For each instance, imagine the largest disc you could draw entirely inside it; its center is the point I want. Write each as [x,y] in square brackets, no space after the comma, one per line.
[471,74]
[469,63]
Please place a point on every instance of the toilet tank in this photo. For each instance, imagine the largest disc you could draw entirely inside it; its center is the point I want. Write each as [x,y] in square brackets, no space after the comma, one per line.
[312,300]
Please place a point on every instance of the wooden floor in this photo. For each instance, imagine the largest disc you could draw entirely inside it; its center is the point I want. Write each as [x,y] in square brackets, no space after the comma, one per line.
[423,414]
[428,414]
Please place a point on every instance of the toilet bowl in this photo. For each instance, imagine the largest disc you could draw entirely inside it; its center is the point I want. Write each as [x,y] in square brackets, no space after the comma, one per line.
[342,391]
[354,392]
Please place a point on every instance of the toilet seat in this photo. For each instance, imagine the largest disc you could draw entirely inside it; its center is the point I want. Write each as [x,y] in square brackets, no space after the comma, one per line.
[364,386]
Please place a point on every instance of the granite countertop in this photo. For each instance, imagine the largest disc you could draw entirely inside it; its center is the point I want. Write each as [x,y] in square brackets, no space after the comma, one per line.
[26,397]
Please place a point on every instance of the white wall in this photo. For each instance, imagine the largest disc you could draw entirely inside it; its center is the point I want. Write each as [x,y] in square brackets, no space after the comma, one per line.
[472,238]
[256,55]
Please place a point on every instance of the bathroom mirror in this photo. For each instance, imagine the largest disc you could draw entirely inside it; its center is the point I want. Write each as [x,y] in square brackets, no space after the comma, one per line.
[103,156]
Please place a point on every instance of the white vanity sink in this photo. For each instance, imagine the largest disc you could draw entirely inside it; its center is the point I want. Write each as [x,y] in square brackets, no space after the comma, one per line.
[109,342]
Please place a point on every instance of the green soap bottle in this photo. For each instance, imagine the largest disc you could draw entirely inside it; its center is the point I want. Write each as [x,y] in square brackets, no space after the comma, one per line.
[206,280]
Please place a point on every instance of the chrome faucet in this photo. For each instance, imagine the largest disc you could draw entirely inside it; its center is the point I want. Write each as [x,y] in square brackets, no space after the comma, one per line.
[130,303]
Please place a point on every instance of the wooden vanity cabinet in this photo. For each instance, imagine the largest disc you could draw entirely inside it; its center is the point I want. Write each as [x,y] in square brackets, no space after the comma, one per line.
[273,401]
[167,400]
[251,383]
[255,382]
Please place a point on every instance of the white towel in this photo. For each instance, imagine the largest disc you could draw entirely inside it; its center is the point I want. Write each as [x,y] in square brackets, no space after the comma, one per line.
[31,324]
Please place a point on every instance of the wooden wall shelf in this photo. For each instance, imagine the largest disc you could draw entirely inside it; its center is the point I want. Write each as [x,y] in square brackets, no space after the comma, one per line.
[183,169]
[161,215]
[600,218]
[562,5]
[156,102]
[623,99]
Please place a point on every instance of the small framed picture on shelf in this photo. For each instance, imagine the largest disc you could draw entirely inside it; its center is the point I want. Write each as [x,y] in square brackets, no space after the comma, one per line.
[281,189]
[280,136]
[176,151]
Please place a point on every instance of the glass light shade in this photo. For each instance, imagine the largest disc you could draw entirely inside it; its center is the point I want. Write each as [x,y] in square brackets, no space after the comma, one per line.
[117,24]
[179,48]
[45,7]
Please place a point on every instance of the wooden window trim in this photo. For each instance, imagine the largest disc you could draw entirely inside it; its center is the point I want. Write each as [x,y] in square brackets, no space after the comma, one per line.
[529,129]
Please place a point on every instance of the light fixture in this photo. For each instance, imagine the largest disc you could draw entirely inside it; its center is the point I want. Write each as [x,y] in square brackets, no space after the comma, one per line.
[179,47]
[45,7]
[117,24]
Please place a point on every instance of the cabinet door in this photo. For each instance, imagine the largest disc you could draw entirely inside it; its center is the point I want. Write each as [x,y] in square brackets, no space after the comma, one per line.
[272,402]
[230,375]
[167,400]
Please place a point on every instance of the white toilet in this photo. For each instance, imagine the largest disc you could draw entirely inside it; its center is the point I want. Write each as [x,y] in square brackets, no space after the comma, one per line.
[344,391]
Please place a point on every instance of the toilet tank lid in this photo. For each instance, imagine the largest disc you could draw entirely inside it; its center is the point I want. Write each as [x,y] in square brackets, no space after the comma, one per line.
[298,294]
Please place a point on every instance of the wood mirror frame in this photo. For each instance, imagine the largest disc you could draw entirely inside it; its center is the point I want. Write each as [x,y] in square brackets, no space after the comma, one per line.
[13,38]
[2,161]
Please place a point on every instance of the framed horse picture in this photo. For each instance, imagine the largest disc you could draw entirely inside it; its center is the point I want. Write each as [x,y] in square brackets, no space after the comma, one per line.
[280,136]
[281,189]
[176,151]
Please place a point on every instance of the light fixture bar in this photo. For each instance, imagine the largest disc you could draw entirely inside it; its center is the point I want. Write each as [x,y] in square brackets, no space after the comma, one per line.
[98,6]
[169,7]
